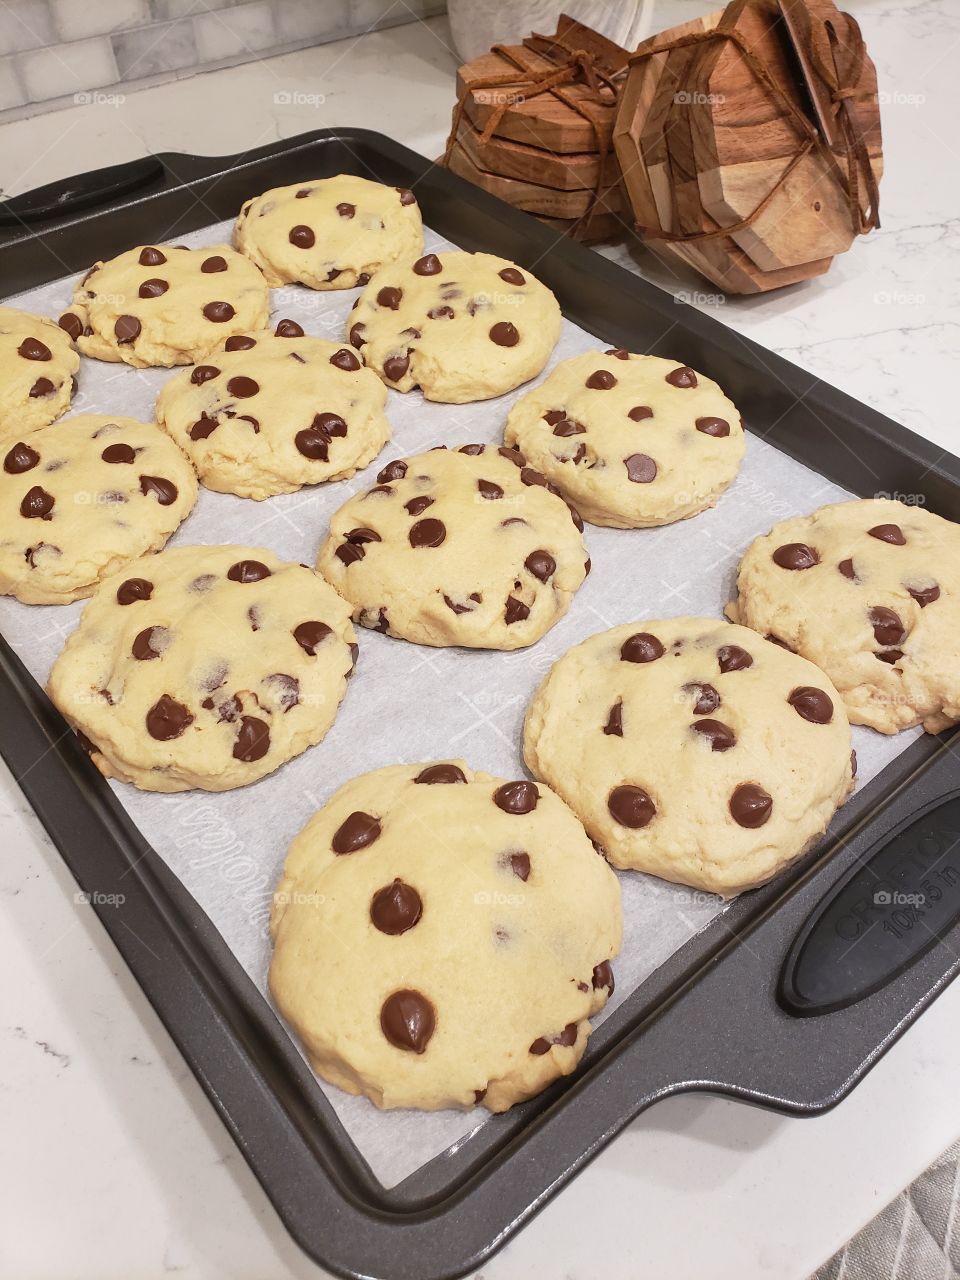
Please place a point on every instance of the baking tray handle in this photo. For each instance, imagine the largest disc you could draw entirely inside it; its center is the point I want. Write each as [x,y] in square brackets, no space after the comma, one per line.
[83,191]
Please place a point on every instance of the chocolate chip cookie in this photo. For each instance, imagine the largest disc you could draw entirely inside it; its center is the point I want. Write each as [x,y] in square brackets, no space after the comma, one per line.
[331,233]
[461,326]
[632,440]
[165,306]
[269,412]
[38,366]
[692,749]
[81,498]
[470,547]
[870,591]
[205,667]
[442,937]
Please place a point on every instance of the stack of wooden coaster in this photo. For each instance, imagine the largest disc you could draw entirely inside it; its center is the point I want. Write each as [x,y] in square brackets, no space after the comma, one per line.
[750,141]
[534,125]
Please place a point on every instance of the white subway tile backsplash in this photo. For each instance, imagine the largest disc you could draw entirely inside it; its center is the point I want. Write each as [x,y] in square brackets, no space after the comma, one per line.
[230,32]
[11,90]
[147,51]
[76,20]
[25,24]
[67,69]
[310,19]
[56,49]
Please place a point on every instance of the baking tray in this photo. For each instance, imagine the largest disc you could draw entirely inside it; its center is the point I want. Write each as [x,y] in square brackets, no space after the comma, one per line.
[784,1001]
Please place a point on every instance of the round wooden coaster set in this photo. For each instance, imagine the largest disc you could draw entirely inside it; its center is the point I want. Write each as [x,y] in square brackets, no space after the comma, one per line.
[745,144]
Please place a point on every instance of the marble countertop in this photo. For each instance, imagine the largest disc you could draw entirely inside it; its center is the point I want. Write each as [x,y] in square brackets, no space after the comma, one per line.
[116,1165]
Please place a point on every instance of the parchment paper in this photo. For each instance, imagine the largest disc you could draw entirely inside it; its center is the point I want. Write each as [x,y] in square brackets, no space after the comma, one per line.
[411,703]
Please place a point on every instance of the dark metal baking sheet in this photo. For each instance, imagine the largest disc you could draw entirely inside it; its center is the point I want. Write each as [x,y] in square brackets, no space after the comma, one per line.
[708,1019]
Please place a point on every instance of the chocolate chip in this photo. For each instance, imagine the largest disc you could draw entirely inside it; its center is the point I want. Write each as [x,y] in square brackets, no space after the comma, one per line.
[355,832]
[706,697]
[356,334]
[631,806]
[713,426]
[243,388]
[519,864]
[219,313]
[313,443]
[890,656]
[891,533]
[346,360]
[440,313]
[750,805]
[144,641]
[126,329]
[203,373]
[529,476]
[284,689]
[37,504]
[720,736]
[516,797]
[601,380]
[541,564]
[846,568]
[620,352]
[134,589]
[515,611]
[781,644]
[683,377]
[331,423]
[71,325]
[489,490]
[302,237]
[427,533]
[406,197]
[462,608]
[640,412]
[440,773]
[309,635]
[614,726]
[407,1019]
[512,455]
[165,491]
[389,296]
[150,257]
[428,265]
[512,276]
[303,193]
[395,470]
[603,977]
[922,595]
[213,264]
[20,458]
[253,740]
[641,468]
[352,548]
[203,427]
[248,571]
[153,289]
[119,453]
[396,908]
[853,763]
[505,334]
[888,629]
[239,342]
[34,349]
[417,506]
[346,210]
[812,704]
[795,555]
[394,367]
[567,1037]
[642,647]
[167,719]
[568,427]
[288,329]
